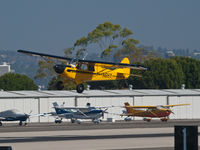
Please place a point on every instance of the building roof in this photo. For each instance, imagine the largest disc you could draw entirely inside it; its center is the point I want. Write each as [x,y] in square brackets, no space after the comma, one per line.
[99,93]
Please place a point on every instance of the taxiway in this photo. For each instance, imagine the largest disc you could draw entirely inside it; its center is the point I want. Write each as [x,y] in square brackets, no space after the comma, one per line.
[88,136]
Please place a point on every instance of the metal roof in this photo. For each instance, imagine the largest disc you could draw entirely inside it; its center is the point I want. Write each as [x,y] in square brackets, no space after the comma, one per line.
[99,93]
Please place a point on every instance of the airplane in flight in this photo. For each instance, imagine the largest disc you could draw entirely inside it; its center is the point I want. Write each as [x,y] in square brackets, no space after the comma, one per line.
[149,112]
[16,115]
[76,114]
[81,70]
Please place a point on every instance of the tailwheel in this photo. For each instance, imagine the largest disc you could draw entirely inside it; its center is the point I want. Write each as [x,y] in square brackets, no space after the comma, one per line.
[59,85]
[80,88]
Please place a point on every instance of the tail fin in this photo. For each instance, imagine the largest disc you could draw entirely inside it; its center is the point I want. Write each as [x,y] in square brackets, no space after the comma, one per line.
[59,110]
[125,61]
[126,71]
[55,104]
[128,109]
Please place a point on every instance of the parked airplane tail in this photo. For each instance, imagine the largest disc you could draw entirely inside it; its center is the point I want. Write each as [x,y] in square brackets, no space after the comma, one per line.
[128,109]
[125,70]
[60,110]
[55,104]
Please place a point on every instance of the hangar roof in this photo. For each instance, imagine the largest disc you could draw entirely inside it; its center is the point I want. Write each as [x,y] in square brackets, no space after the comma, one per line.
[99,93]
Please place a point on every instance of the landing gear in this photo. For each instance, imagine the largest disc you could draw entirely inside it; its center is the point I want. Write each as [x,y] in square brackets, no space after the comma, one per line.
[73,120]
[1,124]
[164,119]
[96,121]
[59,85]
[20,123]
[80,88]
[58,120]
[147,119]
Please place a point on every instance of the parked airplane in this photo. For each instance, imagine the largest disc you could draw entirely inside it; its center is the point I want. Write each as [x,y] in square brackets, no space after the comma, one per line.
[149,112]
[15,115]
[77,113]
[87,70]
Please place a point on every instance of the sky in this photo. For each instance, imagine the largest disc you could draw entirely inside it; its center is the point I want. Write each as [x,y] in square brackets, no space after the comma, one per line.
[50,26]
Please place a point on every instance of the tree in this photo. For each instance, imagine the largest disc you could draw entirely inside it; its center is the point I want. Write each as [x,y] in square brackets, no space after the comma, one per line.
[16,82]
[162,74]
[191,70]
[106,38]
[55,80]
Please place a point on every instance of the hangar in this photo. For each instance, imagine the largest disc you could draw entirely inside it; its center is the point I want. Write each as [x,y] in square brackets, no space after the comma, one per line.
[41,101]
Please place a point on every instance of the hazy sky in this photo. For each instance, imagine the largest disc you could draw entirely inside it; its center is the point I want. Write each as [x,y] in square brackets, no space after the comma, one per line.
[51,25]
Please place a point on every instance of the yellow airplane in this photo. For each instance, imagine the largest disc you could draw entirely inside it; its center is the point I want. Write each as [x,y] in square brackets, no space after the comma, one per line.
[149,112]
[87,70]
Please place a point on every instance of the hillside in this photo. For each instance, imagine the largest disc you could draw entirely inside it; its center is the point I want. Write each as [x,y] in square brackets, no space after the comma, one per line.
[22,64]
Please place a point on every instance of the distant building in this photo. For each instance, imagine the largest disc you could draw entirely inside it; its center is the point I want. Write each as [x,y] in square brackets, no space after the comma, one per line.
[170,54]
[5,68]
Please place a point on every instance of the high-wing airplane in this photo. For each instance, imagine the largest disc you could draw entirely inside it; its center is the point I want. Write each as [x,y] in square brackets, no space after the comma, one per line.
[77,113]
[87,70]
[149,112]
[16,115]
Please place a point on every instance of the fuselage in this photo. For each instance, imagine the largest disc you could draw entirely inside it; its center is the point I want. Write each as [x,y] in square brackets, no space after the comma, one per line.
[157,113]
[87,113]
[93,72]
[13,115]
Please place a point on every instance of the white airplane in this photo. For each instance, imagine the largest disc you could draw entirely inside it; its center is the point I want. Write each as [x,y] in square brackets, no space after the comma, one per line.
[76,113]
[16,115]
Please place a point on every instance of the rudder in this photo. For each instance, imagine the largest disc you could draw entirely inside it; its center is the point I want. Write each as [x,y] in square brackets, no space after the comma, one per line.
[128,109]
[126,70]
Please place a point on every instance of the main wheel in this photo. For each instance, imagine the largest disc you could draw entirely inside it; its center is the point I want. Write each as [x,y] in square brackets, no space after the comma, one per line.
[20,123]
[80,88]
[73,120]
[59,85]
[0,123]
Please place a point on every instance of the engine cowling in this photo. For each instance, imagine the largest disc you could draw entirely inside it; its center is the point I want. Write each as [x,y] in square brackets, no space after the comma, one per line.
[59,68]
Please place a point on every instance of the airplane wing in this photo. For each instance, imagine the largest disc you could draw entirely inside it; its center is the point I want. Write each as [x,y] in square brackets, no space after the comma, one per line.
[113,65]
[75,108]
[156,106]
[175,105]
[2,118]
[37,115]
[82,113]
[140,106]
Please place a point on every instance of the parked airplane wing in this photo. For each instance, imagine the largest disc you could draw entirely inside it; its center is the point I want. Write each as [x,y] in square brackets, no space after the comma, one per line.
[2,118]
[175,105]
[156,106]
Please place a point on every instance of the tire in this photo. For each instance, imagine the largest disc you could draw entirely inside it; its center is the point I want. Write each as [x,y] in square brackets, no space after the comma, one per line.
[72,121]
[1,124]
[80,88]
[20,123]
[59,85]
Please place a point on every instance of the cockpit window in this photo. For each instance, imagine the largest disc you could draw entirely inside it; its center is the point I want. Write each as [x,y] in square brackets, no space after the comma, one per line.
[88,67]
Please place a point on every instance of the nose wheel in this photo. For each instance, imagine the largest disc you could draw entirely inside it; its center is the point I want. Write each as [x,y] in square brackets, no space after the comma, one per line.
[80,88]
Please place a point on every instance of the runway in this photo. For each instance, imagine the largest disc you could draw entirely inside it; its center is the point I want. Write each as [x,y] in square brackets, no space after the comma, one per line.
[88,136]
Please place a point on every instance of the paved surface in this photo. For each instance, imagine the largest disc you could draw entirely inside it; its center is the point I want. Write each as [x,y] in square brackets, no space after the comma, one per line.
[10,127]
[136,135]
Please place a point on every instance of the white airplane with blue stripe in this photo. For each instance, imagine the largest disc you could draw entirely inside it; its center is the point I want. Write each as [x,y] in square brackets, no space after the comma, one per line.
[77,113]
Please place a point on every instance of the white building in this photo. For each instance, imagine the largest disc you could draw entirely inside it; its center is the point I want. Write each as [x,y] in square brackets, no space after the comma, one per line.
[41,101]
[5,68]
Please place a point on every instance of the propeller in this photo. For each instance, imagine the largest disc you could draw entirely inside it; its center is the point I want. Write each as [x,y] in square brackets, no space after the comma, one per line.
[28,115]
[103,112]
